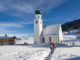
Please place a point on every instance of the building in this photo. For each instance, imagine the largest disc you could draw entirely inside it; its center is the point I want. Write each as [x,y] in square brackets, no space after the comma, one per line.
[5,40]
[46,34]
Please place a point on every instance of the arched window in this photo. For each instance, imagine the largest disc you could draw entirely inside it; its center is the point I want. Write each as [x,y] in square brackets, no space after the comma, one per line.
[43,40]
[50,39]
[36,22]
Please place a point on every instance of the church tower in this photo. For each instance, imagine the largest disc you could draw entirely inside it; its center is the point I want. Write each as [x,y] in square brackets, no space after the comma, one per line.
[37,27]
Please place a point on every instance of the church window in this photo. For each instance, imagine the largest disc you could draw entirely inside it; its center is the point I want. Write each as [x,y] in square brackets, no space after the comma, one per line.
[50,39]
[43,39]
[36,22]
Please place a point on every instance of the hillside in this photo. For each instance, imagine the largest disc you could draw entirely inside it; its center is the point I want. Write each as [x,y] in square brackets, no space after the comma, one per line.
[71,25]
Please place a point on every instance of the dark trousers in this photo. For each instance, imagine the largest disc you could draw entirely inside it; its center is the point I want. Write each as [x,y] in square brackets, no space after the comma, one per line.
[52,50]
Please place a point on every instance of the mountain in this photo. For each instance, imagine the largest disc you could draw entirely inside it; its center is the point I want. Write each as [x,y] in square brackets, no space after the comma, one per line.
[71,25]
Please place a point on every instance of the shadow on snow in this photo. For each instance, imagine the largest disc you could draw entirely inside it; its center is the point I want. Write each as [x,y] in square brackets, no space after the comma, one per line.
[75,58]
[49,56]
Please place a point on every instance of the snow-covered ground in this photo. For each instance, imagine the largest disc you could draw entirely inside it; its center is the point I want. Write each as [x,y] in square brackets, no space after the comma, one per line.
[37,52]
[42,51]
[72,37]
[28,40]
[72,32]
[23,53]
[67,53]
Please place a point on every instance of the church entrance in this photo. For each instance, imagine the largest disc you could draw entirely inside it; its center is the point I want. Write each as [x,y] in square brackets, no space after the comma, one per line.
[49,39]
[43,40]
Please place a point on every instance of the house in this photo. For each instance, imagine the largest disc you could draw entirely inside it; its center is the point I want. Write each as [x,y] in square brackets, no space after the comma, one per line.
[5,40]
[46,34]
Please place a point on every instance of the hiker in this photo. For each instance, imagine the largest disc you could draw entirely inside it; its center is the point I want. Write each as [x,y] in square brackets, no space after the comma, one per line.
[52,46]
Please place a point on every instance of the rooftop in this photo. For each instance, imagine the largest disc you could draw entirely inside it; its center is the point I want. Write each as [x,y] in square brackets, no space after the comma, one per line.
[51,29]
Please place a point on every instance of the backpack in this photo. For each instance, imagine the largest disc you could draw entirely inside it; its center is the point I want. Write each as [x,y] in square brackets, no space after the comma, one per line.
[51,46]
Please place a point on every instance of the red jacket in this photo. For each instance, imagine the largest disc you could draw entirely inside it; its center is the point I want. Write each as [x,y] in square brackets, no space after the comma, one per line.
[53,45]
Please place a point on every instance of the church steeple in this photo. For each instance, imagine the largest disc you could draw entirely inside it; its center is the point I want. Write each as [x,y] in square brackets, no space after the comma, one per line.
[37,26]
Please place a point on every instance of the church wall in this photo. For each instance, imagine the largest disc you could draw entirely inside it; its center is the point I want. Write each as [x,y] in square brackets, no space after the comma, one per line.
[37,28]
[36,39]
[60,35]
[54,38]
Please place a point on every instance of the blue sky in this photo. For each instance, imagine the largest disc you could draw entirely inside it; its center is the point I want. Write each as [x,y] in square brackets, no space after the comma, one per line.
[17,16]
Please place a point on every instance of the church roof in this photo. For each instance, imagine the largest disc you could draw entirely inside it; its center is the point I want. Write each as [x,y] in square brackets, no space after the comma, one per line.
[51,29]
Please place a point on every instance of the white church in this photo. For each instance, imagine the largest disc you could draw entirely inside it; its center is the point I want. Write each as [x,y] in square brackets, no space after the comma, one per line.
[46,34]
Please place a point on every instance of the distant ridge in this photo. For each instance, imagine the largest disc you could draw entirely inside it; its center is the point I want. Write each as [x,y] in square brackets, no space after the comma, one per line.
[72,24]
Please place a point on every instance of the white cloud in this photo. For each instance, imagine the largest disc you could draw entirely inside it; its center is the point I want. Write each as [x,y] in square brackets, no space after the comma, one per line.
[27,23]
[2,8]
[18,7]
[4,30]
[17,35]
[21,8]
[4,27]
[7,25]
[26,8]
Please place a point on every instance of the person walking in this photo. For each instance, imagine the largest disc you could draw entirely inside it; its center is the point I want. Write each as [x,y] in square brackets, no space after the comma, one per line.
[52,46]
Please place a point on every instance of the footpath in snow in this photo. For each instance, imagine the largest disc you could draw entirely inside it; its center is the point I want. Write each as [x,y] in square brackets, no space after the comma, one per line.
[39,52]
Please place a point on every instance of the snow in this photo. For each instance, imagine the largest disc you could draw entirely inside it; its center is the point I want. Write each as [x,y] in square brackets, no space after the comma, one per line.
[38,52]
[66,53]
[42,51]
[72,37]
[25,40]
[69,37]
[72,32]
[51,29]
[22,53]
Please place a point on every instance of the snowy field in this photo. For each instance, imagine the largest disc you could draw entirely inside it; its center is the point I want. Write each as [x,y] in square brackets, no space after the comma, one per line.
[42,52]
[28,40]
[23,53]
[36,52]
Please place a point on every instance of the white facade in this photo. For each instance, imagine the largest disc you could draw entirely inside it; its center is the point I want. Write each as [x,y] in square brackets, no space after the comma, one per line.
[47,34]
[60,35]
[50,38]
[37,28]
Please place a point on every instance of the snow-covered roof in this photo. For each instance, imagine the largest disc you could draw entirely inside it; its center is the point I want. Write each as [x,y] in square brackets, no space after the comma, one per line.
[51,29]
[5,37]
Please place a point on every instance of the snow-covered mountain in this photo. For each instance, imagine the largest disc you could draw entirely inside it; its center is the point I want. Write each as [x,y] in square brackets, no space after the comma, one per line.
[71,25]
